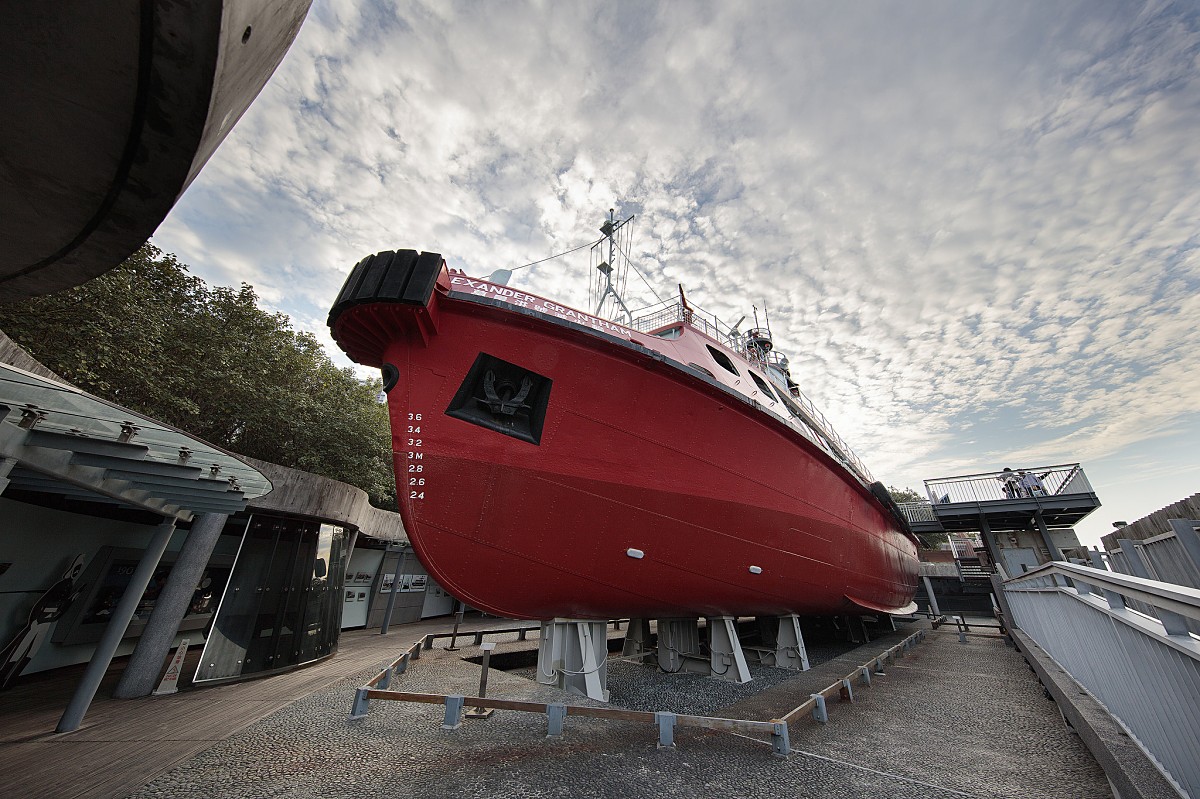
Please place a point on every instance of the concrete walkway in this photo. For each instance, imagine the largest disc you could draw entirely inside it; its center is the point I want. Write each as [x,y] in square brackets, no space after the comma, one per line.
[124,743]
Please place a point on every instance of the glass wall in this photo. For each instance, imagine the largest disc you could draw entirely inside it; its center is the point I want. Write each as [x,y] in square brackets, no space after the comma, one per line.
[282,604]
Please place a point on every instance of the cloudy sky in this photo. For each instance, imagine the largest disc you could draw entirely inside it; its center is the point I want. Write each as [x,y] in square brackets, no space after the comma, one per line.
[976,225]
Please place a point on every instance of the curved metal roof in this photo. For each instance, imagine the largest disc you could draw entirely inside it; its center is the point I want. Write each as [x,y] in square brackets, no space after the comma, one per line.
[57,439]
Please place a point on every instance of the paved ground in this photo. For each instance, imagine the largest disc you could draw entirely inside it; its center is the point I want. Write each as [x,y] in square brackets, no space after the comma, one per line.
[950,719]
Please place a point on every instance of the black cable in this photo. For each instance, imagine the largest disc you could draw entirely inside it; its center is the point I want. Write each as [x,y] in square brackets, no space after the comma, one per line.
[639,273]
[560,255]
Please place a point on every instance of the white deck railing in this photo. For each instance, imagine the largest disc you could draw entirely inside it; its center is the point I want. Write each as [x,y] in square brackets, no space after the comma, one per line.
[917,511]
[1145,670]
[1043,481]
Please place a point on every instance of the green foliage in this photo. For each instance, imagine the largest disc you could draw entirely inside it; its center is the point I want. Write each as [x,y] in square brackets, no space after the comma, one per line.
[905,494]
[928,540]
[153,338]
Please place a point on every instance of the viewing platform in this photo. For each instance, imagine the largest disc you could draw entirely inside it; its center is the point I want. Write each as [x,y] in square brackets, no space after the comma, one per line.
[1030,512]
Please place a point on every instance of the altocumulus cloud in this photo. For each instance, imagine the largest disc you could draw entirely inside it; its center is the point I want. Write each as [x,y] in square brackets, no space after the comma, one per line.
[971,222]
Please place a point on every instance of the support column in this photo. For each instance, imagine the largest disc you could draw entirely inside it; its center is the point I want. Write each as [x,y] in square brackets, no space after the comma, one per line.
[1051,547]
[141,675]
[573,656]
[989,542]
[933,605]
[391,603]
[727,661]
[122,614]
[637,641]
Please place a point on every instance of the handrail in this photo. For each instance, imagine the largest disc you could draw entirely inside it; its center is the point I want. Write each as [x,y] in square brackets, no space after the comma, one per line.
[919,511]
[667,312]
[1166,596]
[1144,670]
[1021,484]
[990,474]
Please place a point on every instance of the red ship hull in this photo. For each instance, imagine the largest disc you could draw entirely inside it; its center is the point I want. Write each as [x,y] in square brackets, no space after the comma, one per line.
[646,490]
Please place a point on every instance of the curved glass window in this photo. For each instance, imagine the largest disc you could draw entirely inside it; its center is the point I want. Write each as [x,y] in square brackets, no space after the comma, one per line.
[763,387]
[700,368]
[722,360]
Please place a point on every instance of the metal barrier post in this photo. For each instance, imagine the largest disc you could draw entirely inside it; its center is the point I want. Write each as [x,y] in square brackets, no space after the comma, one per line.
[555,716]
[865,673]
[779,739]
[847,692]
[401,665]
[479,712]
[359,708]
[386,679]
[666,729]
[820,712]
[453,719]
[458,617]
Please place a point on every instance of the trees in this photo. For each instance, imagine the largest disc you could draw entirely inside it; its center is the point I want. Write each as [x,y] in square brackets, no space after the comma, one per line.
[152,337]
[905,494]
[928,540]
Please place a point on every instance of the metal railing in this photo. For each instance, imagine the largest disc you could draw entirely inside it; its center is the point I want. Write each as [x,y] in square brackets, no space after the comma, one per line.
[798,404]
[917,511]
[1026,483]
[1145,670]
[379,687]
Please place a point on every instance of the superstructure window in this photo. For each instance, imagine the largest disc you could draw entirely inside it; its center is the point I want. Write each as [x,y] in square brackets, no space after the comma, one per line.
[700,368]
[722,360]
[763,387]
[668,333]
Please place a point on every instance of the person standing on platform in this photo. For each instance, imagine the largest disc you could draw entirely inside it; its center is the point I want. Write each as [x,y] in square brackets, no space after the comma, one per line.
[1032,484]
[1012,484]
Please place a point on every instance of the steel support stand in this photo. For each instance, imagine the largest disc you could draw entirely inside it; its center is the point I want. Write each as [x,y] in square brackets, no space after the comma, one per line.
[727,661]
[573,656]
[637,641]
[679,640]
[784,642]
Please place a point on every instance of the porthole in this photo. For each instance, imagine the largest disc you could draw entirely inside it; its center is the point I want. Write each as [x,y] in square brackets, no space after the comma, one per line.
[722,360]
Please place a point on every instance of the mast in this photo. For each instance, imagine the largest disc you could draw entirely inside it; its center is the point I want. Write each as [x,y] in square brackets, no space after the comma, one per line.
[611,226]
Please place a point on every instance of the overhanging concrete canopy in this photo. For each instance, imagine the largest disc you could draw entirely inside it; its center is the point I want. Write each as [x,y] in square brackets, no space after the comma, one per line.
[57,439]
[110,110]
